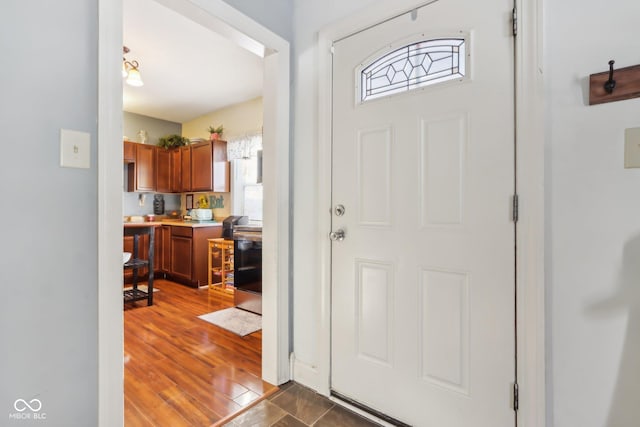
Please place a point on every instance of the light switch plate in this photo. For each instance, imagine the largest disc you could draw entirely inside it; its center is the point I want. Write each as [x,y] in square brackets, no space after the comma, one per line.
[75,149]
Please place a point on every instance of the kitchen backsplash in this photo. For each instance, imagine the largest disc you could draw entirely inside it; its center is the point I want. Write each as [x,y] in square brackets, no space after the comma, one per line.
[131,203]
[220,203]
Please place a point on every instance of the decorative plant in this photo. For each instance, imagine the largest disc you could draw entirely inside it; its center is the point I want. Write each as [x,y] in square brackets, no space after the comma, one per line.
[171,141]
[216,130]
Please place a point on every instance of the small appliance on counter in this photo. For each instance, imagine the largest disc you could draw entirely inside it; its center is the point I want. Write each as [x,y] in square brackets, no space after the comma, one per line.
[201,214]
[231,221]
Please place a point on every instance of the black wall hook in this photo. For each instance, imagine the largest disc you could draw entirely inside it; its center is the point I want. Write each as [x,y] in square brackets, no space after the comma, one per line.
[603,88]
[610,84]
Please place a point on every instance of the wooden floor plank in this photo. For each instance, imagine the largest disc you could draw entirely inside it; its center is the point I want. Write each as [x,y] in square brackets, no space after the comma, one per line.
[181,370]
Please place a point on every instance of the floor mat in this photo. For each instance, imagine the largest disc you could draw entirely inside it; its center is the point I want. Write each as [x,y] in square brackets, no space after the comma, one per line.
[233,319]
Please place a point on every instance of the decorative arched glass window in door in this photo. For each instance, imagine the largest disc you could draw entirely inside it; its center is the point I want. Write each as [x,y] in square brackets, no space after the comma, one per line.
[412,66]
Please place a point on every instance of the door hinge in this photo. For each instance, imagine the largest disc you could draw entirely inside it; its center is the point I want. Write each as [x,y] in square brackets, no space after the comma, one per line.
[516,397]
[332,49]
[515,208]
[514,21]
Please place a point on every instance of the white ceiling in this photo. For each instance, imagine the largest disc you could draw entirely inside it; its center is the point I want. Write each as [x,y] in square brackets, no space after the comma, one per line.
[187,69]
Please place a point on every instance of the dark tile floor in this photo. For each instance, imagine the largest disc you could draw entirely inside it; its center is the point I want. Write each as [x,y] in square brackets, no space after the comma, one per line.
[297,406]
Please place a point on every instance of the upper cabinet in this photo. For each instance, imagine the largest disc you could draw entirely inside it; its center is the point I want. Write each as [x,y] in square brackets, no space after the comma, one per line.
[129,151]
[201,167]
[141,173]
[163,170]
[197,167]
[209,166]
[176,171]
[185,168]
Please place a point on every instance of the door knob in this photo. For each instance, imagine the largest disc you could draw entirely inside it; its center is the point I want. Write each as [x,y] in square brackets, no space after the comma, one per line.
[337,235]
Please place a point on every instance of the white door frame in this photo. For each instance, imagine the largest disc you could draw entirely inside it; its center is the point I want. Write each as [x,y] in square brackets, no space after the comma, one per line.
[529,175]
[229,22]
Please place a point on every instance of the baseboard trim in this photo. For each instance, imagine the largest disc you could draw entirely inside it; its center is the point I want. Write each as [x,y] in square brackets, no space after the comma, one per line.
[307,375]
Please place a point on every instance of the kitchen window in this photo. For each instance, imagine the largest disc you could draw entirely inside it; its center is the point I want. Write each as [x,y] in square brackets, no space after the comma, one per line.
[245,155]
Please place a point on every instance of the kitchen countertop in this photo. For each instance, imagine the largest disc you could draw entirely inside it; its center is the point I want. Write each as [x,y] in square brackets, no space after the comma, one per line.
[175,222]
[194,224]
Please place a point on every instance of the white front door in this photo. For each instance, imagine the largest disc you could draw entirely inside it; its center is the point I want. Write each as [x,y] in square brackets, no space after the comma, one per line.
[423,165]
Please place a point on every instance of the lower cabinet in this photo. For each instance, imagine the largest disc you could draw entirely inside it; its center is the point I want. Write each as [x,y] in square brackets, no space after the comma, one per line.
[164,255]
[180,253]
[181,257]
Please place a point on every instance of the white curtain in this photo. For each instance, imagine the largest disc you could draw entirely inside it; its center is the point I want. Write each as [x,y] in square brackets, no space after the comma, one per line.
[244,147]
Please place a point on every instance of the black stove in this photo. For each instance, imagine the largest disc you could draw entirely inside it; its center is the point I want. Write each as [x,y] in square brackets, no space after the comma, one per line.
[247,267]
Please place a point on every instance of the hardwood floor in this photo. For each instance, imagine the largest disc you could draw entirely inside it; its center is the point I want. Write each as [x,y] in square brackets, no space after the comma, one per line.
[183,371]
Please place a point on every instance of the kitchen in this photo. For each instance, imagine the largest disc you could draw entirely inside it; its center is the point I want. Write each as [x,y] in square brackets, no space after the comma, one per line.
[166,189]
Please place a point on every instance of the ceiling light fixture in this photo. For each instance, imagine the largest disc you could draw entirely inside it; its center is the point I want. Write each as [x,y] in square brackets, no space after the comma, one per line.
[130,70]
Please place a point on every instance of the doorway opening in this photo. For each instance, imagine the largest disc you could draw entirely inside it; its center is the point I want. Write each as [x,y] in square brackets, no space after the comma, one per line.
[225,20]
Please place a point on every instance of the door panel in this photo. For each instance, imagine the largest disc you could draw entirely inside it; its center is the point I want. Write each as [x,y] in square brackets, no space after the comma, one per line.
[423,282]
[181,261]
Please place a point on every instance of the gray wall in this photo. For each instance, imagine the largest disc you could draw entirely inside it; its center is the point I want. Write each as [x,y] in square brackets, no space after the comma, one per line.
[131,205]
[272,14]
[132,123]
[48,260]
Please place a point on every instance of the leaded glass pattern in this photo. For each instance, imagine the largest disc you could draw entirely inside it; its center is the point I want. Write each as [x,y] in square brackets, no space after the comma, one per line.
[416,65]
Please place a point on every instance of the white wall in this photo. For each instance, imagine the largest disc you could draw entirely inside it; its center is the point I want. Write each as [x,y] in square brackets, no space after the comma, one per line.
[592,220]
[48,256]
[592,211]
[309,18]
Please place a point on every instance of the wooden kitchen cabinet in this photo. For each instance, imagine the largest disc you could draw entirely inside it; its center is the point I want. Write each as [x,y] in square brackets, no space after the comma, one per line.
[209,166]
[185,168]
[201,167]
[163,170]
[181,258]
[176,171]
[164,255]
[189,251]
[145,167]
[198,167]
[181,253]
[129,152]
[141,173]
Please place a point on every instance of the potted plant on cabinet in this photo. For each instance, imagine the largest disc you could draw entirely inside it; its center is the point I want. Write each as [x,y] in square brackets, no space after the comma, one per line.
[172,141]
[216,132]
